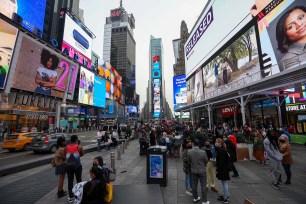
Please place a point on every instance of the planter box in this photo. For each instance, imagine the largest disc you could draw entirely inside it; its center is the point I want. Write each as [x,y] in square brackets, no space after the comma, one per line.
[245,152]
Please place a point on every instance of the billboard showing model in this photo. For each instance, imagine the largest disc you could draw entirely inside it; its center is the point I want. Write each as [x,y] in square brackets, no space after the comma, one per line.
[86,89]
[282,34]
[210,32]
[179,90]
[41,70]
[77,41]
[8,35]
[31,11]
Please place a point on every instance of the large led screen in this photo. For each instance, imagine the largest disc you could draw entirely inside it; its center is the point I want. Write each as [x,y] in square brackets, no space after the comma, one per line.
[220,21]
[282,34]
[8,36]
[40,69]
[76,41]
[99,92]
[113,81]
[86,88]
[238,61]
[296,99]
[179,90]
[31,11]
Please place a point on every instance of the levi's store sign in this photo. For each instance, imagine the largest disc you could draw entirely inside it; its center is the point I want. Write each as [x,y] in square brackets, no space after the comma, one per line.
[228,110]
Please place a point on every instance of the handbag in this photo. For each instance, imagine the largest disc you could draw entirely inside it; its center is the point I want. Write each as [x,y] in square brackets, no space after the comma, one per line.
[109,196]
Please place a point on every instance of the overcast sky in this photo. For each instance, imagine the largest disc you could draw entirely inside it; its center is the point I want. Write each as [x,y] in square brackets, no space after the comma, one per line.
[160,18]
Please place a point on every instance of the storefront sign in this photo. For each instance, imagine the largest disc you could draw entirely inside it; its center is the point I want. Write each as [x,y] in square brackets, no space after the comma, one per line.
[301,107]
[32,100]
[228,110]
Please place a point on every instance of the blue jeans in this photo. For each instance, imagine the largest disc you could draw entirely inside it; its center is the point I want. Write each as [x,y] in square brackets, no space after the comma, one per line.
[225,189]
[188,181]
[99,144]
[195,178]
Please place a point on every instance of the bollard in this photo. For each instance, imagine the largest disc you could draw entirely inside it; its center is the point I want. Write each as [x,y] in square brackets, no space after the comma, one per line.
[118,152]
[125,143]
[128,142]
[122,145]
[112,154]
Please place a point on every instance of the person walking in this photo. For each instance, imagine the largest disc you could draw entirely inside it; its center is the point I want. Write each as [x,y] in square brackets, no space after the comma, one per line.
[258,148]
[74,150]
[187,170]
[222,171]
[210,170]
[274,156]
[231,149]
[285,150]
[60,163]
[99,139]
[198,160]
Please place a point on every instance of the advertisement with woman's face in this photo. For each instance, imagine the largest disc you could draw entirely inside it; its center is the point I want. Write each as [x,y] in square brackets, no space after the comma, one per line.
[284,39]
[198,87]
[40,69]
[86,88]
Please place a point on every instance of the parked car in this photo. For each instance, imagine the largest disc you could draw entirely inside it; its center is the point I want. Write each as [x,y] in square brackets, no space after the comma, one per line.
[46,142]
[20,140]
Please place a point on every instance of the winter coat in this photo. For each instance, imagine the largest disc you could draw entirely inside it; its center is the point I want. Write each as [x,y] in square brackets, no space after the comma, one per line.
[222,165]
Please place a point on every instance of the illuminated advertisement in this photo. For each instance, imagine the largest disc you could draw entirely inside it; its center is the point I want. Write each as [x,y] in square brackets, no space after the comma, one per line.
[190,90]
[156,166]
[116,14]
[237,61]
[86,88]
[77,42]
[8,36]
[198,86]
[282,34]
[113,81]
[40,69]
[99,92]
[31,11]
[156,74]
[179,90]
[296,99]
[131,109]
[211,33]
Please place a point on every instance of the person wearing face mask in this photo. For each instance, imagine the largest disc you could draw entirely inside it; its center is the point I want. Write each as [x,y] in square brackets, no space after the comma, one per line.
[274,156]
[222,171]
[285,150]
[210,170]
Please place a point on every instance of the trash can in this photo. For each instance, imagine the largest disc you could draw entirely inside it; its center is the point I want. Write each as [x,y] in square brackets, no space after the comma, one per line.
[157,165]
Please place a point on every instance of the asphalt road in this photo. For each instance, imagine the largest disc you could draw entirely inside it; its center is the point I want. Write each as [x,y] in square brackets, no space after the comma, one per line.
[7,158]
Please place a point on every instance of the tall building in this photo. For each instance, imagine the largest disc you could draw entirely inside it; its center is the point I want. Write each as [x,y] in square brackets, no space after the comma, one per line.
[179,52]
[119,44]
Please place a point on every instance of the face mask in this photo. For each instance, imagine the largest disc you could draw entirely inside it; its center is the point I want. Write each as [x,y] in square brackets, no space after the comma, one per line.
[207,146]
[282,141]
[225,138]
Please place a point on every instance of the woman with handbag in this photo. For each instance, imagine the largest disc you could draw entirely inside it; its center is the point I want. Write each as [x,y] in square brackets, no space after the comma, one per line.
[59,162]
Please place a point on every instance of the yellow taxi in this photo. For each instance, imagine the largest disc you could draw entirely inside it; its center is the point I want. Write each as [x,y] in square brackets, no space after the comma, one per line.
[20,140]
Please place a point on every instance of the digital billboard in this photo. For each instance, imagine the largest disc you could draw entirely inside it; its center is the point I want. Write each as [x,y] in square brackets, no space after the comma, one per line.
[99,92]
[77,42]
[179,90]
[296,99]
[131,109]
[113,81]
[41,70]
[31,11]
[213,29]
[239,60]
[8,35]
[282,34]
[86,88]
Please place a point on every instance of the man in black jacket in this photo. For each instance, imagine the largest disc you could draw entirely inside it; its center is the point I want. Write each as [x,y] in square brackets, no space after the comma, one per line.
[231,149]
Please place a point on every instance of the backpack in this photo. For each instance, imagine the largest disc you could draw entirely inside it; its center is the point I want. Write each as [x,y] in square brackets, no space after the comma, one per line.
[71,164]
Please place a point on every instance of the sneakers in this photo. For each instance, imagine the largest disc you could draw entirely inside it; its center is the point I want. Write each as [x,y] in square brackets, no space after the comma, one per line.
[235,175]
[195,200]
[226,200]
[275,186]
[207,202]
[214,189]
[288,182]
[188,193]
[280,184]
[61,194]
[220,198]
[70,200]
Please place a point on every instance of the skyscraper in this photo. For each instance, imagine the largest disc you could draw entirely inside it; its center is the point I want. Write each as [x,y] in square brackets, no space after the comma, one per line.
[119,44]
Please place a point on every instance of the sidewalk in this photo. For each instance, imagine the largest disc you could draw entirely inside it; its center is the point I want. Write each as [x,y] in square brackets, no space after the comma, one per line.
[254,182]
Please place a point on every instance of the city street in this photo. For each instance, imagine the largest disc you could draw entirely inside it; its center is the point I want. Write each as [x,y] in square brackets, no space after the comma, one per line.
[39,185]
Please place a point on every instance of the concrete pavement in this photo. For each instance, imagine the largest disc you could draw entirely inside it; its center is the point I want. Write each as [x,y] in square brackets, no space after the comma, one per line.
[253,183]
